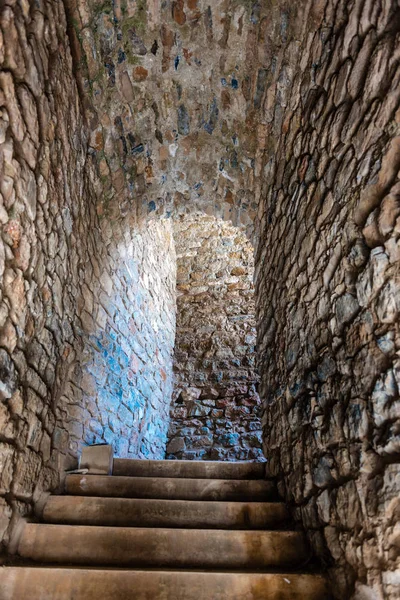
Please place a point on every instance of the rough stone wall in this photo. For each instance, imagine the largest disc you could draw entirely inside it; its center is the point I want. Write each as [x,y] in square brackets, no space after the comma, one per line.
[327,282]
[230,107]
[215,413]
[82,300]
[120,391]
[45,197]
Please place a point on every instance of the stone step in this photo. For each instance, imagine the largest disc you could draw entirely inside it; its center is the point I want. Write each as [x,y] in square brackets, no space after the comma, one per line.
[171,488]
[165,548]
[117,512]
[188,468]
[30,583]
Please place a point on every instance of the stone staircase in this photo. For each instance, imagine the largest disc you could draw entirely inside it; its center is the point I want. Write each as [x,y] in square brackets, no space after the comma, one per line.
[164,530]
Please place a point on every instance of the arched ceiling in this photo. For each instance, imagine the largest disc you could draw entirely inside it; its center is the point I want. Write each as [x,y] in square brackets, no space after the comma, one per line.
[169,93]
[177,103]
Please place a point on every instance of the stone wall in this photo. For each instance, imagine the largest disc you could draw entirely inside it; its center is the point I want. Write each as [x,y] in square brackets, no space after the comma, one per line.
[327,282]
[120,389]
[87,305]
[288,111]
[215,412]
[46,196]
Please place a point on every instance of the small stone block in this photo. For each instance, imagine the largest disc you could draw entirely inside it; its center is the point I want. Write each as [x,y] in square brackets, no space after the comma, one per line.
[98,459]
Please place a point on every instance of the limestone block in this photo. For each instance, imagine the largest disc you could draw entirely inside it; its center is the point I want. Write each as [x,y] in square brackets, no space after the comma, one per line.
[98,459]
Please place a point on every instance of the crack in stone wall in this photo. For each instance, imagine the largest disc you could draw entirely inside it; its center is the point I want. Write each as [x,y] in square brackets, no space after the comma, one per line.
[215,413]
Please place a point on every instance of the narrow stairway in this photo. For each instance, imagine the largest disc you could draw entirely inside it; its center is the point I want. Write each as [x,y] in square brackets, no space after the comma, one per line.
[164,530]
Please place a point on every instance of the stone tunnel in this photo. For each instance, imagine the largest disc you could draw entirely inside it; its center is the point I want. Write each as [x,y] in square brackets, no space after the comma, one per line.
[200,255]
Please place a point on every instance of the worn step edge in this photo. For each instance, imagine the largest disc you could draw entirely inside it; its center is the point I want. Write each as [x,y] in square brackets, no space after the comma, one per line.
[170,488]
[139,512]
[191,469]
[172,548]
[33,583]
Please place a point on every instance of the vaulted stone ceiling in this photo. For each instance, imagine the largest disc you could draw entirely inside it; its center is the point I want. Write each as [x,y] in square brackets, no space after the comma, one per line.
[176,102]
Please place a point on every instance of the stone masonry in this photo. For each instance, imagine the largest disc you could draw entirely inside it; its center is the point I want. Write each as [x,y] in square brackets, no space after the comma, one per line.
[167,91]
[120,388]
[281,118]
[327,284]
[46,206]
[215,413]
[87,306]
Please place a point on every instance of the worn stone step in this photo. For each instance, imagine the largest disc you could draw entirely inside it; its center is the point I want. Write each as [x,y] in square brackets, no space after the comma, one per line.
[171,488]
[166,548]
[188,468]
[83,510]
[30,583]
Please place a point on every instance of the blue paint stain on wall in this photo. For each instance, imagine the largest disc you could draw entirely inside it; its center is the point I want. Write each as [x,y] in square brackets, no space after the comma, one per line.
[213,118]
[138,149]
[183,120]
[121,56]
[127,399]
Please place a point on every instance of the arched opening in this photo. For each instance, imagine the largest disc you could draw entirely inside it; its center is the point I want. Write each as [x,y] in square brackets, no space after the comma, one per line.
[167,315]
